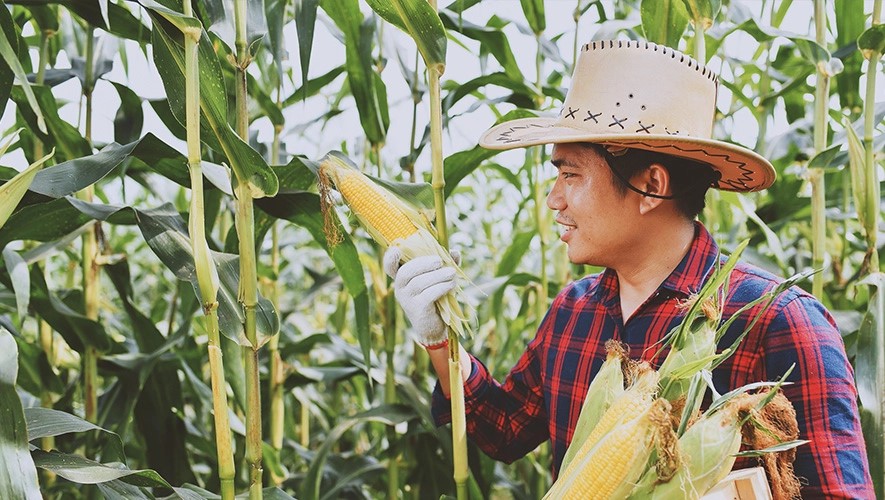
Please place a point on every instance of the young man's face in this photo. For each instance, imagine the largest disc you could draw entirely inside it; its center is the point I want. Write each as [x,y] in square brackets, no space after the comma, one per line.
[596,221]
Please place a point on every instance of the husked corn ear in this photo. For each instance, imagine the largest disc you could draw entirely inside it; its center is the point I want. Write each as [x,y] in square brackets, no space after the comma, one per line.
[613,466]
[390,220]
[373,206]
[634,401]
[606,386]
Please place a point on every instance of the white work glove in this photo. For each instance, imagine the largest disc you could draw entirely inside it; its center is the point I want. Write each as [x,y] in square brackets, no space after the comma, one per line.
[417,285]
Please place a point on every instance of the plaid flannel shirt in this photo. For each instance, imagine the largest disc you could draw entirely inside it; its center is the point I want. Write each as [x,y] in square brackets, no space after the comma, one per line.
[542,396]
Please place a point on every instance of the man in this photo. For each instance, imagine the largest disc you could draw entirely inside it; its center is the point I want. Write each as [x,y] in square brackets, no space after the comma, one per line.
[634,157]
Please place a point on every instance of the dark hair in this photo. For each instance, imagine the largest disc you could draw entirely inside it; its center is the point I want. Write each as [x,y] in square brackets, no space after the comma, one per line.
[690,179]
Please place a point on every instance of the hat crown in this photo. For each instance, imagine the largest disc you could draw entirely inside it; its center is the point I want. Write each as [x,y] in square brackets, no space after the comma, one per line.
[637,87]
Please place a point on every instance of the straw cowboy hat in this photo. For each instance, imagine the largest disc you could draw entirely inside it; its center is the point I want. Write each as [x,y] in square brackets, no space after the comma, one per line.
[636,94]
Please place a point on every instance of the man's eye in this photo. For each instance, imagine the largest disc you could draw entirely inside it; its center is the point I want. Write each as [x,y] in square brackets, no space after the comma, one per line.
[566,175]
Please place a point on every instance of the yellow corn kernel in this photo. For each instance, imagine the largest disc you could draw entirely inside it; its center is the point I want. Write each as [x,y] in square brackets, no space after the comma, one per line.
[373,206]
[629,405]
[612,467]
[605,388]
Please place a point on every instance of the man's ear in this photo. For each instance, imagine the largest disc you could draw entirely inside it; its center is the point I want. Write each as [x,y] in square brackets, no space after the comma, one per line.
[653,180]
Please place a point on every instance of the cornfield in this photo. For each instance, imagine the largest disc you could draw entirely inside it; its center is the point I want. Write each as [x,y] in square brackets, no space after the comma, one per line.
[175,319]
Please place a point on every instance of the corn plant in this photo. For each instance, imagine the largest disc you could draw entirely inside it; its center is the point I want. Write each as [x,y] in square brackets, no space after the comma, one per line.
[249,150]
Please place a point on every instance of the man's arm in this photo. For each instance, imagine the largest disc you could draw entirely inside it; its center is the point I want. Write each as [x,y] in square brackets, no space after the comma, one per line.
[834,464]
[439,358]
[505,420]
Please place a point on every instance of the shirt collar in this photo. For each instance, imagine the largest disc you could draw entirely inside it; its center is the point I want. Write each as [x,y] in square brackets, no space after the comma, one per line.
[689,275]
[686,279]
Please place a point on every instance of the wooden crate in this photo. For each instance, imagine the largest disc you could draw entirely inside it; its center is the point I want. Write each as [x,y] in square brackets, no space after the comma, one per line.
[742,484]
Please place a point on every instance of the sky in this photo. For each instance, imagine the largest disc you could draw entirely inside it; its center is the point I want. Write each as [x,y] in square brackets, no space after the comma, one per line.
[462,65]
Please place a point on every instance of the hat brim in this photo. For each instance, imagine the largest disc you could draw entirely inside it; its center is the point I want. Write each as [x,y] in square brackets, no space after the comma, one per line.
[742,169]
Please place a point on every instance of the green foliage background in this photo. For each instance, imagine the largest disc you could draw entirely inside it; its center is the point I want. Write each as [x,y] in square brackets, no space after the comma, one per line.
[354,391]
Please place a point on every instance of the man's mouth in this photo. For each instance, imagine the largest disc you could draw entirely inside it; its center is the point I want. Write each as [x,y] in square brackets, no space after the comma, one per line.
[566,227]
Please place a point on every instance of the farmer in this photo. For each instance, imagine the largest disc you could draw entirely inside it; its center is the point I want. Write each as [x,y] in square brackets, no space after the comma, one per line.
[634,157]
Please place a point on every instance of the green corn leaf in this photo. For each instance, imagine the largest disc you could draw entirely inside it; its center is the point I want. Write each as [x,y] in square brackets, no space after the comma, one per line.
[154,388]
[129,119]
[43,422]
[366,85]
[702,12]
[305,22]
[313,87]
[514,253]
[858,169]
[664,21]
[21,281]
[166,234]
[421,22]
[18,476]
[81,470]
[13,190]
[64,137]
[248,165]
[788,445]
[120,20]
[386,414]
[275,12]
[849,26]
[303,209]
[871,378]
[534,14]
[872,41]
[46,16]
[220,20]
[460,165]
[44,222]
[9,53]
[7,76]
[493,41]
[60,310]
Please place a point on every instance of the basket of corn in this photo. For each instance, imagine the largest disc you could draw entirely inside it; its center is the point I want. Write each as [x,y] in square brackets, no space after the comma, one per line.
[641,433]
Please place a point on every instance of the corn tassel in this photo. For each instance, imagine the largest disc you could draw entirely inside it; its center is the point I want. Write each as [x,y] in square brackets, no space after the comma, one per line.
[606,387]
[391,222]
[634,401]
[612,467]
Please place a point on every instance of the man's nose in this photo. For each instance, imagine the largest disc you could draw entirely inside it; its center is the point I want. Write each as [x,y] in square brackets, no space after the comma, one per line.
[555,200]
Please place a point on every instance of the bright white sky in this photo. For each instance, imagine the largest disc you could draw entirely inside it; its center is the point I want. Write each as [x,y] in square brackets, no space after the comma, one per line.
[329,53]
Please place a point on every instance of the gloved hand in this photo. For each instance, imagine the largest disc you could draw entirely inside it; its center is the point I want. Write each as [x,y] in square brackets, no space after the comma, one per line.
[417,285]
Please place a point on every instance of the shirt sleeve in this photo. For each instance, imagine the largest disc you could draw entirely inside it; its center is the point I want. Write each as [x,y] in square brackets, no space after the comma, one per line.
[505,420]
[834,464]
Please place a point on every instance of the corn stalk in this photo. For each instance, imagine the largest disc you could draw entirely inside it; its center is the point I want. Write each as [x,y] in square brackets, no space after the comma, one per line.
[540,194]
[90,265]
[816,175]
[248,287]
[46,335]
[437,181]
[207,276]
[872,183]
[277,369]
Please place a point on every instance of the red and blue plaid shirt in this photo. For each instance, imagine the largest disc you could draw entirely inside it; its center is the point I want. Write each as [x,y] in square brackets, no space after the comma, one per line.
[542,396]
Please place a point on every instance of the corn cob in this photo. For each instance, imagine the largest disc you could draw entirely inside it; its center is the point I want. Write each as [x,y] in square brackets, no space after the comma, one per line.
[708,451]
[607,385]
[612,467]
[375,206]
[634,401]
[391,222]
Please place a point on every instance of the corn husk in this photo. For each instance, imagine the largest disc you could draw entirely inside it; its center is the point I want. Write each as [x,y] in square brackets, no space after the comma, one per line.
[454,309]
